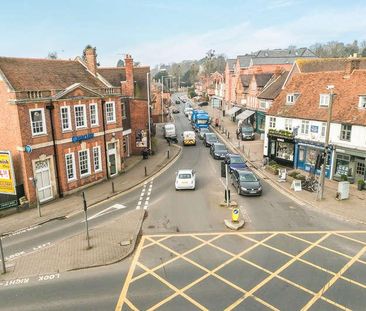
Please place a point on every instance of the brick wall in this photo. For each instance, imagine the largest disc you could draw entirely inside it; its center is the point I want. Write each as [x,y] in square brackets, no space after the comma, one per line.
[138,111]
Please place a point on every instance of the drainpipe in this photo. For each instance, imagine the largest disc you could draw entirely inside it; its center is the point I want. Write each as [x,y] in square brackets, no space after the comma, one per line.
[50,107]
[104,138]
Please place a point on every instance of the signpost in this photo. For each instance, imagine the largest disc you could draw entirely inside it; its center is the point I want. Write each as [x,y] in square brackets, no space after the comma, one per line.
[235,215]
[86,220]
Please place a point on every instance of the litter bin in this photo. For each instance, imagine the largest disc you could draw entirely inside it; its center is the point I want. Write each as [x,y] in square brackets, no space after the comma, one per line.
[145,154]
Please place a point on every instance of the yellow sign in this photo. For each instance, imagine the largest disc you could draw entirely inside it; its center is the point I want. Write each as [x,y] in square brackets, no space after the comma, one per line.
[235,215]
[7,180]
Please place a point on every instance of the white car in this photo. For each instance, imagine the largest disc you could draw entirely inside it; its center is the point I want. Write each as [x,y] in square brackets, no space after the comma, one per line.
[187,111]
[185,179]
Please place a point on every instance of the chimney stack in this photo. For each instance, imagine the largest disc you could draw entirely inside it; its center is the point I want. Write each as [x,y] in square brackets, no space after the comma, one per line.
[352,64]
[91,60]
[129,75]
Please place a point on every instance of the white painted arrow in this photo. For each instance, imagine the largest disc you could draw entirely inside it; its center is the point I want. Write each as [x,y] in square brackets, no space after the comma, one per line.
[106,211]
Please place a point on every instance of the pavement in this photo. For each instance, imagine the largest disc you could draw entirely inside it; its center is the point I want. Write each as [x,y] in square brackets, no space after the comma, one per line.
[133,175]
[352,209]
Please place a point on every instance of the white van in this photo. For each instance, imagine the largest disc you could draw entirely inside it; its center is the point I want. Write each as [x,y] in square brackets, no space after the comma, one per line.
[189,138]
[187,110]
[169,131]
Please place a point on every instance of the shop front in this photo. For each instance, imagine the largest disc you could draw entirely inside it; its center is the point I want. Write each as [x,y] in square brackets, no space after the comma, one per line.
[306,154]
[349,162]
[260,121]
[281,148]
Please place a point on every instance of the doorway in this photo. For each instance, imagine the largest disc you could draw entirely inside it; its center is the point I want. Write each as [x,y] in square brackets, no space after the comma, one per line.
[43,178]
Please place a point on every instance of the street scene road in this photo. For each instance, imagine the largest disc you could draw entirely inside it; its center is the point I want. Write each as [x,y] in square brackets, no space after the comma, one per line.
[285,258]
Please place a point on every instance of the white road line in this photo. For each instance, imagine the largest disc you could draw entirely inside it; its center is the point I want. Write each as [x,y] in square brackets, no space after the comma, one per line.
[148,198]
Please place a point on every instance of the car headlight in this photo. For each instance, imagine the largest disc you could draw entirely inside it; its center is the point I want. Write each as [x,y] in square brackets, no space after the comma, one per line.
[243,188]
[260,188]
[216,154]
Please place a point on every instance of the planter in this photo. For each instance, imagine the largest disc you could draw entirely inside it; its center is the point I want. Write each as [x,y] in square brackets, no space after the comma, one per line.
[272,170]
[360,185]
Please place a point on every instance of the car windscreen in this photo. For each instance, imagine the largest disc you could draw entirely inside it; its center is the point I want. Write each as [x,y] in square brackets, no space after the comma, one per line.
[211,137]
[220,147]
[247,130]
[204,130]
[248,177]
[236,160]
[184,176]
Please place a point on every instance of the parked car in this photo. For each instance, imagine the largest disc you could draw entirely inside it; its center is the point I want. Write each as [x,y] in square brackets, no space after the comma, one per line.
[235,162]
[185,179]
[201,104]
[187,110]
[175,110]
[209,139]
[177,102]
[202,132]
[218,151]
[247,133]
[246,183]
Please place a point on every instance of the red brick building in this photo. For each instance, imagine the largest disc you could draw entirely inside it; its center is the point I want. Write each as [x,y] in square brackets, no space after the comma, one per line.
[63,123]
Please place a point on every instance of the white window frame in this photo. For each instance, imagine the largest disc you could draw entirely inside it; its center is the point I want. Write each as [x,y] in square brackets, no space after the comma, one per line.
[272,122]
[69,128]
[362,101]
[98,149]
[324,100]
[88,164]
[73,166]
[96,114]
[288,125]
[43,121]
[305,126]
[112,104]
[263,104]
[323,130]
[345,131]
[84,117]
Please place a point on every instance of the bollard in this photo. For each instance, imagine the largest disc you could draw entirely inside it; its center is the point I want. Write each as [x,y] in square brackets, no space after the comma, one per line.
[228,134]
[145,171]
[2,255]
[112,186]
[168,154]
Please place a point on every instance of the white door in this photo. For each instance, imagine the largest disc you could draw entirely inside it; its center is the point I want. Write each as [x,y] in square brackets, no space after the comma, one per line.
[43,177]
[112,159]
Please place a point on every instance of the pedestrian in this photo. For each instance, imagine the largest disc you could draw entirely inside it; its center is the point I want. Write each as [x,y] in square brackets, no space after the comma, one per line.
[237,134]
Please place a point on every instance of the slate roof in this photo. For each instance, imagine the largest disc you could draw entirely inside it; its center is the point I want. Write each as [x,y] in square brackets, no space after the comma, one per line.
[31,74]
[262,78]
[326,64]
[244,60]
[115,75]
[272,60]
[285,53]
[274,86]
[231,63]
[245,79]
[311,85]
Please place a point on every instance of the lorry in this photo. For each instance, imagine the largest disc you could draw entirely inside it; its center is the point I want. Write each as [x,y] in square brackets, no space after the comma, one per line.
[200,119]
[170,133]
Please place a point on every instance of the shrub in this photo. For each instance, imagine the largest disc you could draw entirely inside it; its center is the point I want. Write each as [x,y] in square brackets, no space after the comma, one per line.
[272,162]
[300,177]
[344,177]
[293,174]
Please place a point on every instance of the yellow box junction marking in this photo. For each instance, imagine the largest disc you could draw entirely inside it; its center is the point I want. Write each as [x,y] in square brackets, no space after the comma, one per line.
[151,240]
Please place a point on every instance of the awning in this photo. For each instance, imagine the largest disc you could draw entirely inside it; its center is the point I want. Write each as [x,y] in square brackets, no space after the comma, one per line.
[244,115]
[233,110]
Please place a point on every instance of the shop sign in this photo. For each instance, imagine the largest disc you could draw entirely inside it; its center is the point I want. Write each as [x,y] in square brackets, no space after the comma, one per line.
[314,129]
[76,139]
[7,177]
[280,139]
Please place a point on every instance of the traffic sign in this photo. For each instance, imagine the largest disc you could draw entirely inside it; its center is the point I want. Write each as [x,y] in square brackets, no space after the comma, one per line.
[235,215]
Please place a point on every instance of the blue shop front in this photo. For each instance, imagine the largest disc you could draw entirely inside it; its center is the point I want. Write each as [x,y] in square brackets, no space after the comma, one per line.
[306,153]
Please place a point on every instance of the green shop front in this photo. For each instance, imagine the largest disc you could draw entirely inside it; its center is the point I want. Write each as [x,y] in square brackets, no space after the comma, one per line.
[349,162]
[281,147]
[260,121]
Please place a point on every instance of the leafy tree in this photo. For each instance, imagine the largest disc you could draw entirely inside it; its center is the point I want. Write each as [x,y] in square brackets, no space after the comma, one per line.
[120,63]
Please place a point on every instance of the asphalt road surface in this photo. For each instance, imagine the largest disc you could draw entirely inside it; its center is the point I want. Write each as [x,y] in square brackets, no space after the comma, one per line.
[285,258]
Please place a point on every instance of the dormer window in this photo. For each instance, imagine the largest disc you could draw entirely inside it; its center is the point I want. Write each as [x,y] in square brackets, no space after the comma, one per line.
[362,101]
[324,100]
[291,98]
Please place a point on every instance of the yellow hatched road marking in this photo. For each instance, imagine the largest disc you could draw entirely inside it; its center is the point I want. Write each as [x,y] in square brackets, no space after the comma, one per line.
[123,294]
[278,271]
[349,238]
[334,279]
[129,303]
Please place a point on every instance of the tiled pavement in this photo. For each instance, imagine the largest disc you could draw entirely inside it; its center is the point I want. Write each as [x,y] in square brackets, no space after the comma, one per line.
[248,271]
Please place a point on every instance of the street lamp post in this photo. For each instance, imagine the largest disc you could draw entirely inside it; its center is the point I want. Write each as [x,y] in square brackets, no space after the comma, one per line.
[162,100]
[326,144]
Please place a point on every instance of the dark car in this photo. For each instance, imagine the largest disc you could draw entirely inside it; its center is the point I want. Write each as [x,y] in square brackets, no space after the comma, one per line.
[175,110]
[177,102]
[202,132]
[235,162]
[247,133]
[209,139]
[201,104]
[246,183]
[218,151]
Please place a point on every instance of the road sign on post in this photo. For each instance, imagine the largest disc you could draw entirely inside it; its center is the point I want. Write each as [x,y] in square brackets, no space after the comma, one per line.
[86,220]
[235,215]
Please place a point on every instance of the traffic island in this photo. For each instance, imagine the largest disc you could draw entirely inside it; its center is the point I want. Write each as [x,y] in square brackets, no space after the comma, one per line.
[231,204]
[234,225]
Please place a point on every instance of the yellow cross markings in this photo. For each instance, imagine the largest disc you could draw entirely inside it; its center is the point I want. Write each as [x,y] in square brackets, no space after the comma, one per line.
[334,279]
[278,271]
[176,290]
[148,241]
[175,258]
[123,294]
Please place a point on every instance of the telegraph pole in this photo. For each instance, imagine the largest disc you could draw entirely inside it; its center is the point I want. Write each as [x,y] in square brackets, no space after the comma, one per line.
[148,107]
[320,195]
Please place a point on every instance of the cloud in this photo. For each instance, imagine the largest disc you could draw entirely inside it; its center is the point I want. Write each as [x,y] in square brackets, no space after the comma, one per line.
[276,4]
[247,37]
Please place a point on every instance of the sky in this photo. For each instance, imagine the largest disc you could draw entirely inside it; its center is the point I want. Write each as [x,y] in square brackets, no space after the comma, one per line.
[167,31]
